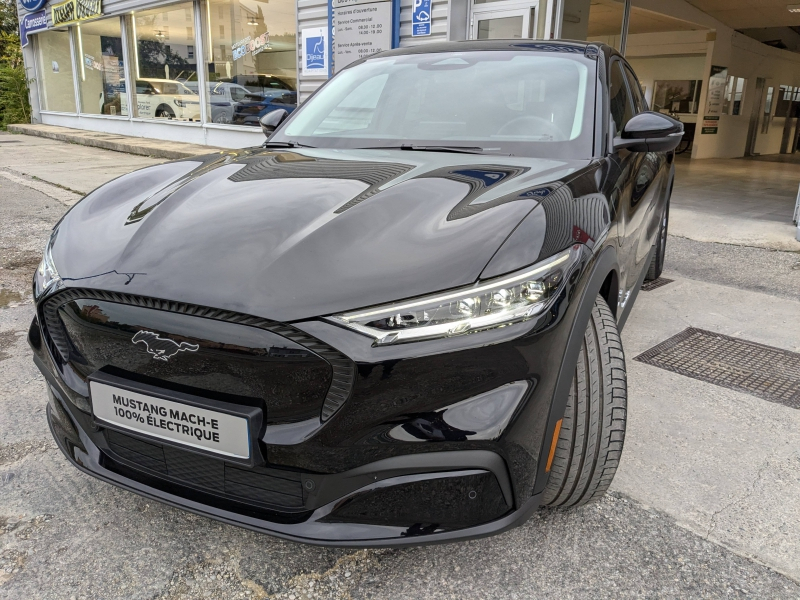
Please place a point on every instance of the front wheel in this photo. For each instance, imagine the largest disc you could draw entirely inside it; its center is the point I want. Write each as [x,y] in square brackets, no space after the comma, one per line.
[592,431]
[656,266]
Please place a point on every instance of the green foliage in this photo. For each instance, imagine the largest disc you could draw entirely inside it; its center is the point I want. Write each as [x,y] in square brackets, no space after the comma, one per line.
[14,104]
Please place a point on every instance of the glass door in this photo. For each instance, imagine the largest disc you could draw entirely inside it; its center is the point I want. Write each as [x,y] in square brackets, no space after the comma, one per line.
[492,20]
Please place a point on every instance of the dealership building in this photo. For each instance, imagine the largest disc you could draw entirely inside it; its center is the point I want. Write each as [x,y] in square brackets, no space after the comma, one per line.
[203,70]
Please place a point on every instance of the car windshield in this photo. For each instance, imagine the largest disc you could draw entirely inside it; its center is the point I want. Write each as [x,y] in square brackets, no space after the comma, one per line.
[498,102]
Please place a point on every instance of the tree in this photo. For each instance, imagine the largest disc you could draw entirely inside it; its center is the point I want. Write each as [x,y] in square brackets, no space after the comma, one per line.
[14,104]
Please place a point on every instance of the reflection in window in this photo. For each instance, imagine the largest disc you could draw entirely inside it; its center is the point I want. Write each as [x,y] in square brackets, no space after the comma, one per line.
[165,64]
[101,73]
[677,96]
[252,59]
[54,71]
[734,95]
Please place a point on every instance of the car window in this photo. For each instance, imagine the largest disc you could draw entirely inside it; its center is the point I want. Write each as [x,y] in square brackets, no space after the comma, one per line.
[514,102]
[238,94]
[144,87]
[636,91]
[621,104]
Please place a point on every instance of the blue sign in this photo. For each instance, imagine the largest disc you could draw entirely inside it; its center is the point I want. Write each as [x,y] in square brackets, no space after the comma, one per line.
[31,23]
[315,52]
[421,18]
[32,5]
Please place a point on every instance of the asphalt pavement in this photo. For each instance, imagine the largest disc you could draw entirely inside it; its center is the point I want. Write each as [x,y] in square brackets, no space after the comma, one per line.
[705,504]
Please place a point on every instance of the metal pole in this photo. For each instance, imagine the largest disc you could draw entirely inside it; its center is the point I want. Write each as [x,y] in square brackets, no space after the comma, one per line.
[626,17]
[559,14]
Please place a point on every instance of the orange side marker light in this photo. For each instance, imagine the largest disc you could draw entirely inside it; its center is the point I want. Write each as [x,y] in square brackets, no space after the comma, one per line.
[553,445]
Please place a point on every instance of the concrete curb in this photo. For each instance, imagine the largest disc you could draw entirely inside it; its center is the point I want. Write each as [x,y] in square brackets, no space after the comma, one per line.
[118,143]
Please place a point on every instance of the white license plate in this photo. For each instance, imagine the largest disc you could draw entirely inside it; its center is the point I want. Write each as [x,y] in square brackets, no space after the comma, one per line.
[218,432]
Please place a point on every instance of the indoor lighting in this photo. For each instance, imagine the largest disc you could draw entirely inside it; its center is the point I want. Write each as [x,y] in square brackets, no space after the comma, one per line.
[793,8]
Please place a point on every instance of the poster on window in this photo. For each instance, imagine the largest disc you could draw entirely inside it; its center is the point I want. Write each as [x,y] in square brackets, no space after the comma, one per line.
[716,90]
[315,51]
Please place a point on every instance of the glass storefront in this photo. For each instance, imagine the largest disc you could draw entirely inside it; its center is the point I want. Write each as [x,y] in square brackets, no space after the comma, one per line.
[101,67]
[152,57]
[54,72]
[251,59]
[165,63]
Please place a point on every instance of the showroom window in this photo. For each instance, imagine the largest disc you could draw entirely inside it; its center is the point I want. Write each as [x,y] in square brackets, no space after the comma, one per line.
[54,71]
[101,68]
[251,59]
[677,96]
[165,65]
[734,95]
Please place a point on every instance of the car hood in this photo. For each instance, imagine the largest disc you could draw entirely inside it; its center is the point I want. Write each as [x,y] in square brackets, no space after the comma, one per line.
[294,234]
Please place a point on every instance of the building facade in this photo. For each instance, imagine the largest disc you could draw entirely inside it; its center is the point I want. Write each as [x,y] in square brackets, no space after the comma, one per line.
[203,71]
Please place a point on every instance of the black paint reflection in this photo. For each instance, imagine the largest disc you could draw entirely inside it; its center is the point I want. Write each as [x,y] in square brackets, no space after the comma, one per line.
[292,165]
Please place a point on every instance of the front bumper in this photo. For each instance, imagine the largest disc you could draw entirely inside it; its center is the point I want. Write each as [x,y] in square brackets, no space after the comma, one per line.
[333,522]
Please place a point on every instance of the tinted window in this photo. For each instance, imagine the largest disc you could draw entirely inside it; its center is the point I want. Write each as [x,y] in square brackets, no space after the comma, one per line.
[621,106]
[636,91]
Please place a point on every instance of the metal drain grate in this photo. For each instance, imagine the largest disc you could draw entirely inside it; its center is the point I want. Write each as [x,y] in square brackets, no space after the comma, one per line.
[649,286]
[769,373]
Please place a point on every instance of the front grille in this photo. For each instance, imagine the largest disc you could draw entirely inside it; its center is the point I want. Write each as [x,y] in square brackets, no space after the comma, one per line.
[267,487]
[342,373]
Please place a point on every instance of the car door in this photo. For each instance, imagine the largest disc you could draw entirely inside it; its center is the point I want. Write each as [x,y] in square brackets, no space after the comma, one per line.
[634,187]
[648,196]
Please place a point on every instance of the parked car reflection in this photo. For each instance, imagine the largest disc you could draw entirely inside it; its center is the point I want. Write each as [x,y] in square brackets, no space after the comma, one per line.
[164,99]
[254,107]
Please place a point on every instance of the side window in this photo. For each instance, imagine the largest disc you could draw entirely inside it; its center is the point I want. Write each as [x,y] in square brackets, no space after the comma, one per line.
[621,106]
[636,91]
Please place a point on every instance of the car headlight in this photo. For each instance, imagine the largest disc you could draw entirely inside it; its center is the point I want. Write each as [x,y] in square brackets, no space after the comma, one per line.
[505,300]
[46,275]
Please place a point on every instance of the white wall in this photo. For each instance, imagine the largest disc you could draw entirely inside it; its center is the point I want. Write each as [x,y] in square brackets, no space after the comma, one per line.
[750,59]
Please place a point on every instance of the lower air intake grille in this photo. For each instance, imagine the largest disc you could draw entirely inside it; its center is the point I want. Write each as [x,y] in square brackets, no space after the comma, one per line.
[269,487]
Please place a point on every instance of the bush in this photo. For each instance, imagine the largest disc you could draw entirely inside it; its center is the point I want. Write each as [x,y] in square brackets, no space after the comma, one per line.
[14,103]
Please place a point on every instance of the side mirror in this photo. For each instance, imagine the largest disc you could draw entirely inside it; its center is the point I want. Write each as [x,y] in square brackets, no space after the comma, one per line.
[650,132]
[270,121]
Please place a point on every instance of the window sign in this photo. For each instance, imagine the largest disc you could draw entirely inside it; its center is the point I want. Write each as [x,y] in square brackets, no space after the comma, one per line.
[362,27]
[421,18]
[716,90]
[315,51]
[72,11]
[30,24]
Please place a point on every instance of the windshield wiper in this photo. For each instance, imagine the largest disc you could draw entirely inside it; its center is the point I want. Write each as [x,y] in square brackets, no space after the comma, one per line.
[456,149]
[285,145]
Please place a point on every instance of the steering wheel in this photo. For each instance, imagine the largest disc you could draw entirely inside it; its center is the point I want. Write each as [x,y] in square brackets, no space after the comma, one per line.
[531,126]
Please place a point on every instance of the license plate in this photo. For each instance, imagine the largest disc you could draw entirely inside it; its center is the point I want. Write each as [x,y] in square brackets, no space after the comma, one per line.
[218,432]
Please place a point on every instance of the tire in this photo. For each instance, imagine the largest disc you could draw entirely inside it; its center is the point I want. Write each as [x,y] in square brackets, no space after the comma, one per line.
[657,262]
[593,428]
[164,112]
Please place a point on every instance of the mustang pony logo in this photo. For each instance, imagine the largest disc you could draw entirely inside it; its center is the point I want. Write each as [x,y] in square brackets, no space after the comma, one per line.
[162,348]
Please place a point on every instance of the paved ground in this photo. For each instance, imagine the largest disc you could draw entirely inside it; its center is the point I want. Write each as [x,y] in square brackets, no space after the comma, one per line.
[704,505]
[746,202]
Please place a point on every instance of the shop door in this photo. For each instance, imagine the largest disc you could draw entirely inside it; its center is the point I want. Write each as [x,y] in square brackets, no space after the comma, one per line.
[503,20]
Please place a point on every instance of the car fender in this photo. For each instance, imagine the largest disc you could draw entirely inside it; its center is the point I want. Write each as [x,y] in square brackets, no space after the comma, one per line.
[605,263]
